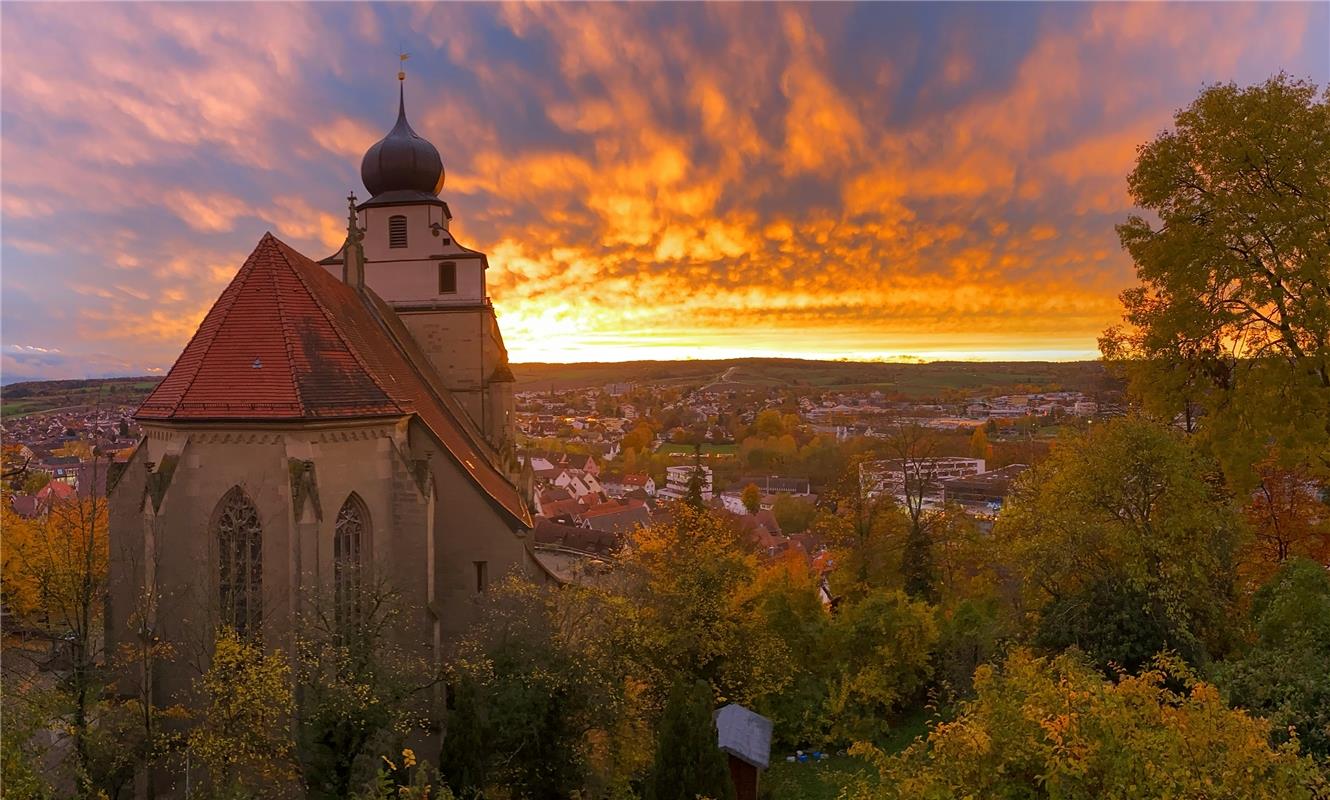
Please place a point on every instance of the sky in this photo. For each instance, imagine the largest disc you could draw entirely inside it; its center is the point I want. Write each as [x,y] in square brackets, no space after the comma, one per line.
[861,181]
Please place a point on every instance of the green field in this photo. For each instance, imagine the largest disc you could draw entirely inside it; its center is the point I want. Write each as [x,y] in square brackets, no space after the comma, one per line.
[31,397]
[672,449]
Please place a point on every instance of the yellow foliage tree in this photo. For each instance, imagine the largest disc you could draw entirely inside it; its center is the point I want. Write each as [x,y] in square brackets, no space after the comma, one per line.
[1055,728]
[243,738]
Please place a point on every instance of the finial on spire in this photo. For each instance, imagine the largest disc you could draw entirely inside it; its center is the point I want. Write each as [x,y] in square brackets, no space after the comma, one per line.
[353,231]
[402,56]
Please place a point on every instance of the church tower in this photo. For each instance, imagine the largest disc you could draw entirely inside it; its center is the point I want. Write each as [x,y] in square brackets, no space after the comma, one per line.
[434,284]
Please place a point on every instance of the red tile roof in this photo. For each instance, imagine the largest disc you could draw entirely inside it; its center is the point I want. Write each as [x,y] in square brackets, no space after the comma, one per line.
[287,341]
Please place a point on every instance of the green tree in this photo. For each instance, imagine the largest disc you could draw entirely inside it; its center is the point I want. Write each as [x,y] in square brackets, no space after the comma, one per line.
[791,608]
[1125,509]
[689,763]
[534,678]
[752,498]
[357,687]
[1230,321]
[883,647]
[793,514]
[694,494]
[1285,674]
[1055,728]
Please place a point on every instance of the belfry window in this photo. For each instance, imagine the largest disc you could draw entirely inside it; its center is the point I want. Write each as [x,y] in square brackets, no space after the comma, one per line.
[397,231]
[448,277]
[350,538]
[239,562]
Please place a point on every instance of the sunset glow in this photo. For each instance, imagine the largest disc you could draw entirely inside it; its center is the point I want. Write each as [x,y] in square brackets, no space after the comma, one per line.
[871,182]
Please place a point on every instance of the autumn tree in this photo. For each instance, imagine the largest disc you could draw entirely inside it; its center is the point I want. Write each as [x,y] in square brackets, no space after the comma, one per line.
[55,581]
[979,446]
[752,498]
[1230,322]
[695,612]
[866,532]
[1288,517]
[689,763]
[1055,728]
[243,735]
[1119,536]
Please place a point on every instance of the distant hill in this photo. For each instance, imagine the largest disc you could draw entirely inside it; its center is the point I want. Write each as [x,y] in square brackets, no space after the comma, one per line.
[910,380]
[919,381]
[35,396]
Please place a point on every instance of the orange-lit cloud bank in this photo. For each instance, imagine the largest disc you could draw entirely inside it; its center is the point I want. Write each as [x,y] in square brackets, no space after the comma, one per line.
[688,180]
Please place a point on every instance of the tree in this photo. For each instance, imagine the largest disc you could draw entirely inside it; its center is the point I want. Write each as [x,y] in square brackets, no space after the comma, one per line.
[639,438]
[1125,510]
[243,738]
[1288,517]
[34,481]
[865,533]
[55,569]
[913,447]
[790,606]
[793,514]
[536,681]
[693,611]
[1230,321]
[1056,728]
[356,686]
[883,647]
[769,424]
[694,494]
[752,498]
[979,446]
[689,763]
[1284,675]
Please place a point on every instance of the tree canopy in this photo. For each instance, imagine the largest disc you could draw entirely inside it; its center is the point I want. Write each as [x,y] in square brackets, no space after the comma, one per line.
[1231,320]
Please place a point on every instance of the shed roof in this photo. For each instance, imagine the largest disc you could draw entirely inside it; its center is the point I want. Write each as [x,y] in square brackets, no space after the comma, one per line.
[744,734]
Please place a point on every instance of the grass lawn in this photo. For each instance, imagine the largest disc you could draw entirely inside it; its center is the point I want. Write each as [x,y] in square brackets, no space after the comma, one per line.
[824,780]
[675,449]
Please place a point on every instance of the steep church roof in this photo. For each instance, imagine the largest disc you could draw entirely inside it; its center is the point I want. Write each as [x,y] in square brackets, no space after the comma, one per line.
[287,341]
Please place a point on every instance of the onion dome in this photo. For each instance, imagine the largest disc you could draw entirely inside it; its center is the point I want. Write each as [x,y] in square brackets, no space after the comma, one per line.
[402,161]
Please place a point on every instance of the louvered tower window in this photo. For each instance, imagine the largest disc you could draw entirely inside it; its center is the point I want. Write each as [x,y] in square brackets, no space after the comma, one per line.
[350,537]
[239,562]
[397,231]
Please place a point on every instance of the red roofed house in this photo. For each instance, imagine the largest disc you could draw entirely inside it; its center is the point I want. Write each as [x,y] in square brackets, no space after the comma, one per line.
[327,418]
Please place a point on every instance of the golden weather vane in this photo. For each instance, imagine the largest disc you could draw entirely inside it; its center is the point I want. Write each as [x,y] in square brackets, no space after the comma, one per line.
[402,56]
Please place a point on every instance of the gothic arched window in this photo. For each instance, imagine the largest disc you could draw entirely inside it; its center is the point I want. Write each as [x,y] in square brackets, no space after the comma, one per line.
[350,539]
[239,561]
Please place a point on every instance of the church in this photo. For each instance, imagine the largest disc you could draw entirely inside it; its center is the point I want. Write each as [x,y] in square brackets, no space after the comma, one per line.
[329,419]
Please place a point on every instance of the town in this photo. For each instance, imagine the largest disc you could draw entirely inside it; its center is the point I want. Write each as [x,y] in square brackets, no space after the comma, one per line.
[609,458]
[664,401]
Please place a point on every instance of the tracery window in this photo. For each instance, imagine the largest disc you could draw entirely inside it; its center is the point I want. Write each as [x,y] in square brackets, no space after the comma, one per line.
[350,538]
[239,562]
